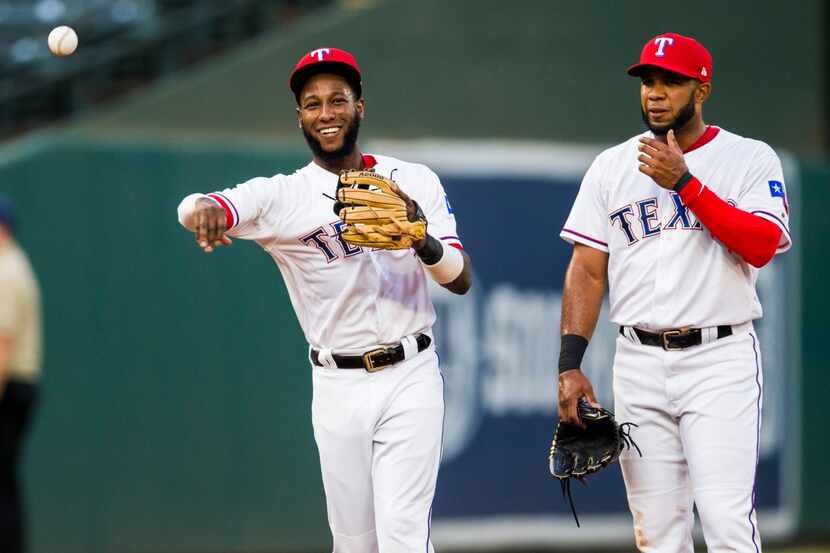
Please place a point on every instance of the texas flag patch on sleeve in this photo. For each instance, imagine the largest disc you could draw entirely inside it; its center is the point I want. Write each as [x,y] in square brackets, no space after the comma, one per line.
[777,190]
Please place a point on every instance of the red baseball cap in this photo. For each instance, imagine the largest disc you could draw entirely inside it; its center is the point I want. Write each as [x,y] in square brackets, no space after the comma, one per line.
[326,60]
[678,54]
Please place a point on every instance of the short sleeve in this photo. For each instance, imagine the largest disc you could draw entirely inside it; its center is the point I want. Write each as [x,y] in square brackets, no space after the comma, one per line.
[439,212]
[764,193]
[588,221]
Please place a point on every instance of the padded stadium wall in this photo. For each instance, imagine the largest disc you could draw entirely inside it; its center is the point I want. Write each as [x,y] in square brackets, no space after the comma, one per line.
[175,412]
[175,415]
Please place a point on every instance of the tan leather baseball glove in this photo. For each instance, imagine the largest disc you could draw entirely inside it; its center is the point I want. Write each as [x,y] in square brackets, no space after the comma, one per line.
[377,213]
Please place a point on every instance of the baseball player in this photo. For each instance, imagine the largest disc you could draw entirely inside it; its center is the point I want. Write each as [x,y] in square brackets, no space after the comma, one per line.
[378,407]
[678,221]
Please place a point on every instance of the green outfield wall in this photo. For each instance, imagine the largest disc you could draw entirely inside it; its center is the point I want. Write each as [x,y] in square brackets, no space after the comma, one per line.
[815,376]
[533,69]
[176,406]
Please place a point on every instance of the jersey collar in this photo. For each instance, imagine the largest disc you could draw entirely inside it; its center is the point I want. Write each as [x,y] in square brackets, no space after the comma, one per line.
[708,135]
[369,162]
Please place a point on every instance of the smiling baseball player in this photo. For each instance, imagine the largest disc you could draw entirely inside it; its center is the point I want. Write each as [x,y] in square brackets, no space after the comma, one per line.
[356,273]
[678,221]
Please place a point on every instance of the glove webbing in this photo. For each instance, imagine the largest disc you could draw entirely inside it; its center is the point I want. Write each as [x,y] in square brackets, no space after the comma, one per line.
[625,434]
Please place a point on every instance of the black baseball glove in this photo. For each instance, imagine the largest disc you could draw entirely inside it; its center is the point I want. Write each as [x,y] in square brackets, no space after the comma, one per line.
[577,452]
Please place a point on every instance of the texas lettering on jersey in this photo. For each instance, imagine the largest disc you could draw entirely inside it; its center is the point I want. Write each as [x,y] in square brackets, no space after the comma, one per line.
[345,296]
[646,212]
[655,242]
[328,239]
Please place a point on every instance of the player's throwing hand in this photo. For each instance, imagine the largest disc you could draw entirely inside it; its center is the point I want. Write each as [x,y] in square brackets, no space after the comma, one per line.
[210,224]
[661,161]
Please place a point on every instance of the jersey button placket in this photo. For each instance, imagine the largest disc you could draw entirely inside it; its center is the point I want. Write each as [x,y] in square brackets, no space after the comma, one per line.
[666,279]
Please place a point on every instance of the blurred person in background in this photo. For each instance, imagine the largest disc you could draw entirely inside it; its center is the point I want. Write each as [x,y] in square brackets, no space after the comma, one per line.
[20,353]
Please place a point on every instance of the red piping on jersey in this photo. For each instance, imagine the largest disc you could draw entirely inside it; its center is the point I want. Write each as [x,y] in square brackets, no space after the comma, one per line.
[226,207]
[455,244]
[585,236]
[708,135]
[369,161]
[752,237]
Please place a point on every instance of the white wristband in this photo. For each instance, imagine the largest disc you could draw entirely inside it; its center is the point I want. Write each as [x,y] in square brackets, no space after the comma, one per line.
[448,267]
[188,206]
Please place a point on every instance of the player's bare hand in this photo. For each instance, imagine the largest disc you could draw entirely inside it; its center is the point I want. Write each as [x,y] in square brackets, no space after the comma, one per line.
[663,162]
[211,224]
[573,385]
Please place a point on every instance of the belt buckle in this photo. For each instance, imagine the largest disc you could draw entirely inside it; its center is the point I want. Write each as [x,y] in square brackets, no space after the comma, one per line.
[369,364]
[664,337]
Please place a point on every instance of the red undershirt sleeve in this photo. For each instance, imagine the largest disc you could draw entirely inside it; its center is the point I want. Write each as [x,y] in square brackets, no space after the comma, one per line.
[754,238]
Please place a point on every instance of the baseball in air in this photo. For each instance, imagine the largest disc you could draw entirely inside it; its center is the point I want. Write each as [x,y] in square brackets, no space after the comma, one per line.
[63,40]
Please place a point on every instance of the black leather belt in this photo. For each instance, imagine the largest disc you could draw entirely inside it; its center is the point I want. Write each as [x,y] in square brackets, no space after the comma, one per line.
[676,339]
[375,359]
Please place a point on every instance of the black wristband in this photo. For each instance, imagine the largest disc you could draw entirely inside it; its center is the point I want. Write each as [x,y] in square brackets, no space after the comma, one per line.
[684,180]
[432,252]
[571,351]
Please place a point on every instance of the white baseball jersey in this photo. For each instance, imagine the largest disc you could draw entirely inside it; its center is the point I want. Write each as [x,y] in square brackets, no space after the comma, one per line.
[664,269]
[346,297]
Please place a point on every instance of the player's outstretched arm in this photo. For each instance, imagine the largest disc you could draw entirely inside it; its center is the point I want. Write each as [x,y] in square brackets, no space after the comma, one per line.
[207,220]
[581,304]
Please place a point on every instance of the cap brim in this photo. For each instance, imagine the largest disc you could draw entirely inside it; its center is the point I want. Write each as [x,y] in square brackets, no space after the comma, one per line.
[300,76]
[636,70]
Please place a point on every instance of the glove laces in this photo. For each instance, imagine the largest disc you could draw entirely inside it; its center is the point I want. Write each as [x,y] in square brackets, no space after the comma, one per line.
[625,434]
[566,492]
[628,441]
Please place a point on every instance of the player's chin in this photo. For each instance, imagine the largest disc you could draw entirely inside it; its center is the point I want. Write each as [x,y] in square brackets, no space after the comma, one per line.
[659,128]
[330,146]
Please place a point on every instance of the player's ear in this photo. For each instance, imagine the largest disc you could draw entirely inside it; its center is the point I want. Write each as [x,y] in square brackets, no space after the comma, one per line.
[299,118]
[703,91]
[360,106]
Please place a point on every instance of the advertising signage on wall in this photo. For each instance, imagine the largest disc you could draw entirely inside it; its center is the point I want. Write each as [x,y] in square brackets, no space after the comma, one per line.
[499,348]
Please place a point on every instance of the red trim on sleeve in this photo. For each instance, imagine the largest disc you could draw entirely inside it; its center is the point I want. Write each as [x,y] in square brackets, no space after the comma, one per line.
[226,207]
[586,237]
[453,241]
[754,238]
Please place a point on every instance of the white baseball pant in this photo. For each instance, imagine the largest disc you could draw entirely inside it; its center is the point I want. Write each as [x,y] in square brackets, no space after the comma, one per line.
[699,417]
[379,436]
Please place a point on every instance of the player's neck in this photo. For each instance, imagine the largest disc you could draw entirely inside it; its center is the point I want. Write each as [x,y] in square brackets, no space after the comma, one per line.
[352,161]
[688,134]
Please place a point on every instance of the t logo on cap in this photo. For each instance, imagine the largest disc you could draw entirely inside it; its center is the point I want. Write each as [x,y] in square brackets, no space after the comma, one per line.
[661,44]
[320,53]
[689,58]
